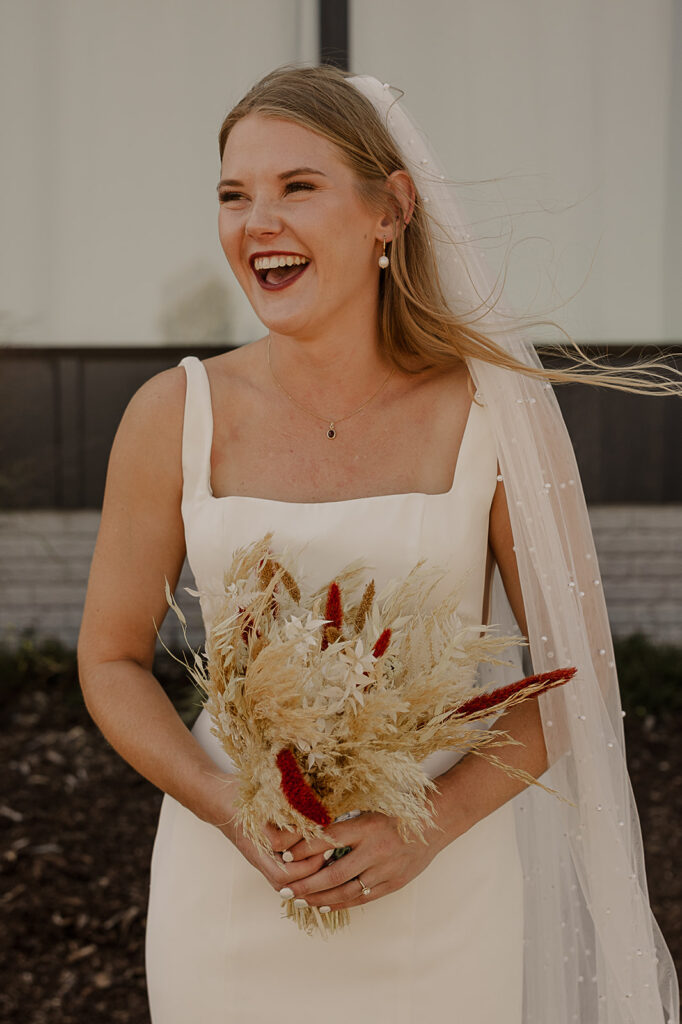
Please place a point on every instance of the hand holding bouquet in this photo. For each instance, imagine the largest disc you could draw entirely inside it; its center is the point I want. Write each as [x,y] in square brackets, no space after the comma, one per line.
[327,702]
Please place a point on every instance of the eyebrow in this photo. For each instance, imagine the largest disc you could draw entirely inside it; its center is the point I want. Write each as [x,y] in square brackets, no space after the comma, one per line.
[284,176]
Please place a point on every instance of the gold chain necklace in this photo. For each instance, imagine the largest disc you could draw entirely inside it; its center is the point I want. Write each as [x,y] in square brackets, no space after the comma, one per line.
[331,429]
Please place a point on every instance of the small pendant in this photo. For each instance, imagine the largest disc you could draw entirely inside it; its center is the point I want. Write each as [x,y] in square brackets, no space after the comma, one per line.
[331,433]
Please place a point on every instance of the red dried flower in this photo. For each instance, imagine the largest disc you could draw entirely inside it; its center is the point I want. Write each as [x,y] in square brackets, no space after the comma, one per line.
[333,611]
[297,791]
[382,643]
[494,697]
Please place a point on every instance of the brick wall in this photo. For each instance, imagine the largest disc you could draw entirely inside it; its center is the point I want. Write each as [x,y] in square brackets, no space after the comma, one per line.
[44,560]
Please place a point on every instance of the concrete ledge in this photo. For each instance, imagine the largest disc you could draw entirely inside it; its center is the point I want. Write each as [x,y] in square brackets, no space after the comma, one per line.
[44,564]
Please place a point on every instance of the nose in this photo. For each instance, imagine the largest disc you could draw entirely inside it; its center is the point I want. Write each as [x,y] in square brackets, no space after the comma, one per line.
[262,218]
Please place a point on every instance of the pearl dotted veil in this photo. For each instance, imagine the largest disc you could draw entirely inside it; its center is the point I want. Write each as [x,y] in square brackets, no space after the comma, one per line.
[593,952]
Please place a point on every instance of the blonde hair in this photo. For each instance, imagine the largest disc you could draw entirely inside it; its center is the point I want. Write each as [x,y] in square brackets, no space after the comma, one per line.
[415,323]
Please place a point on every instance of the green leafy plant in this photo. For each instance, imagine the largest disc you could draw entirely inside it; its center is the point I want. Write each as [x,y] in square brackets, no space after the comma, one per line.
[650,676]
[35,662]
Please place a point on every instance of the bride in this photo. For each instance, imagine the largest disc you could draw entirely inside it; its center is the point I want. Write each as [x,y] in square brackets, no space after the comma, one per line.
[392,409]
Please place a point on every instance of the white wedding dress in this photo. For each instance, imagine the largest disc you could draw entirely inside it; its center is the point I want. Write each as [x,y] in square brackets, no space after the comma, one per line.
[446,947]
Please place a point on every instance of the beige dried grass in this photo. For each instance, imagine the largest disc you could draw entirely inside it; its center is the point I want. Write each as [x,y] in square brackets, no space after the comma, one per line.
[357,725]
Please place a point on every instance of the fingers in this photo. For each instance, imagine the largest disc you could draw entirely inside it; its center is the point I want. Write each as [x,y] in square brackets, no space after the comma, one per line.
[281,839]
[339,836]
[308,848]
[290,847]
[341,897]
[277,872]
[347,896]
[307,870]
[281,875]
[378,855]
[329,876]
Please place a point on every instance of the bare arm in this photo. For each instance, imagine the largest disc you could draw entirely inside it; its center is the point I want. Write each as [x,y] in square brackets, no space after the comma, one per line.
[141,544]
[474,788]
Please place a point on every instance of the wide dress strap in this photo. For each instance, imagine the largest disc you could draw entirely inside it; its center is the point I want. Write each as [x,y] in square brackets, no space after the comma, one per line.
[197,432]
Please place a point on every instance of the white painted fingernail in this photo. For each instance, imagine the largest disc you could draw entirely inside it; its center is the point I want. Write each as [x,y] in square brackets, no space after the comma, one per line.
[328,853]
[287,893]
[300,903]
[287,856]
[325,910]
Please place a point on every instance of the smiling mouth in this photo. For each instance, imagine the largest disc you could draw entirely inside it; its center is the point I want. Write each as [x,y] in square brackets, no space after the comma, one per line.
[278,271]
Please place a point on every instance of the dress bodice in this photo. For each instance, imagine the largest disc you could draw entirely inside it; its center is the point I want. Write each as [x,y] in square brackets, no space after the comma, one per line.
[389,532]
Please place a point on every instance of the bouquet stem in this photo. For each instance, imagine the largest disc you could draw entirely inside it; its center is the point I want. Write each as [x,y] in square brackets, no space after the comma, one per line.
[312,922]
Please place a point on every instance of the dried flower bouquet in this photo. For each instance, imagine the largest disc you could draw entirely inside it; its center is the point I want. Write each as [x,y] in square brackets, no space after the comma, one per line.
[327,702]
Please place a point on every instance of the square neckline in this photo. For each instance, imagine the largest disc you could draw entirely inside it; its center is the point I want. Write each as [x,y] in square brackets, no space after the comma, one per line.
[336,501]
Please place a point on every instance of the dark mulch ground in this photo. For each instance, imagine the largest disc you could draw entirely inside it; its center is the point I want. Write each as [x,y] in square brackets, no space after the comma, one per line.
[78,825]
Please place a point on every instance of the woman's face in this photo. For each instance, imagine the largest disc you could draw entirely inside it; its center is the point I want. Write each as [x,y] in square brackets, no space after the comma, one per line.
[286,195]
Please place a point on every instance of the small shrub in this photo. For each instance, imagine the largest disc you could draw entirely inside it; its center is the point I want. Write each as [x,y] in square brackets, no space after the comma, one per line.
[650,676]
[28,662]
[31,662]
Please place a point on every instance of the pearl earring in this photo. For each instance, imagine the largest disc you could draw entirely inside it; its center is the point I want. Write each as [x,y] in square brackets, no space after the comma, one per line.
[383,259]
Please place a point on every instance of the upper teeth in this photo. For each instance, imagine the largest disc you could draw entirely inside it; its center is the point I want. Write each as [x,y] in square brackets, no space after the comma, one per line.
[268,262]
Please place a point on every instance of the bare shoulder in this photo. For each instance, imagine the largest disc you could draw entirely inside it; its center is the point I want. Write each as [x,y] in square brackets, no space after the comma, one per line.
[159,401]
[241,367]
[150,432]
[448,391]
[147,448]
[457,381]
[155,412]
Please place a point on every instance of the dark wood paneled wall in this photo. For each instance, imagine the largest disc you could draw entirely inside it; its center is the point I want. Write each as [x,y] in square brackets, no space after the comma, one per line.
[59,408]
[628,447]
[334,33]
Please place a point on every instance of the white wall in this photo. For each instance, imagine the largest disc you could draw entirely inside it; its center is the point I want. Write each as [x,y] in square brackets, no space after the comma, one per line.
[583,101]
[110,113]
